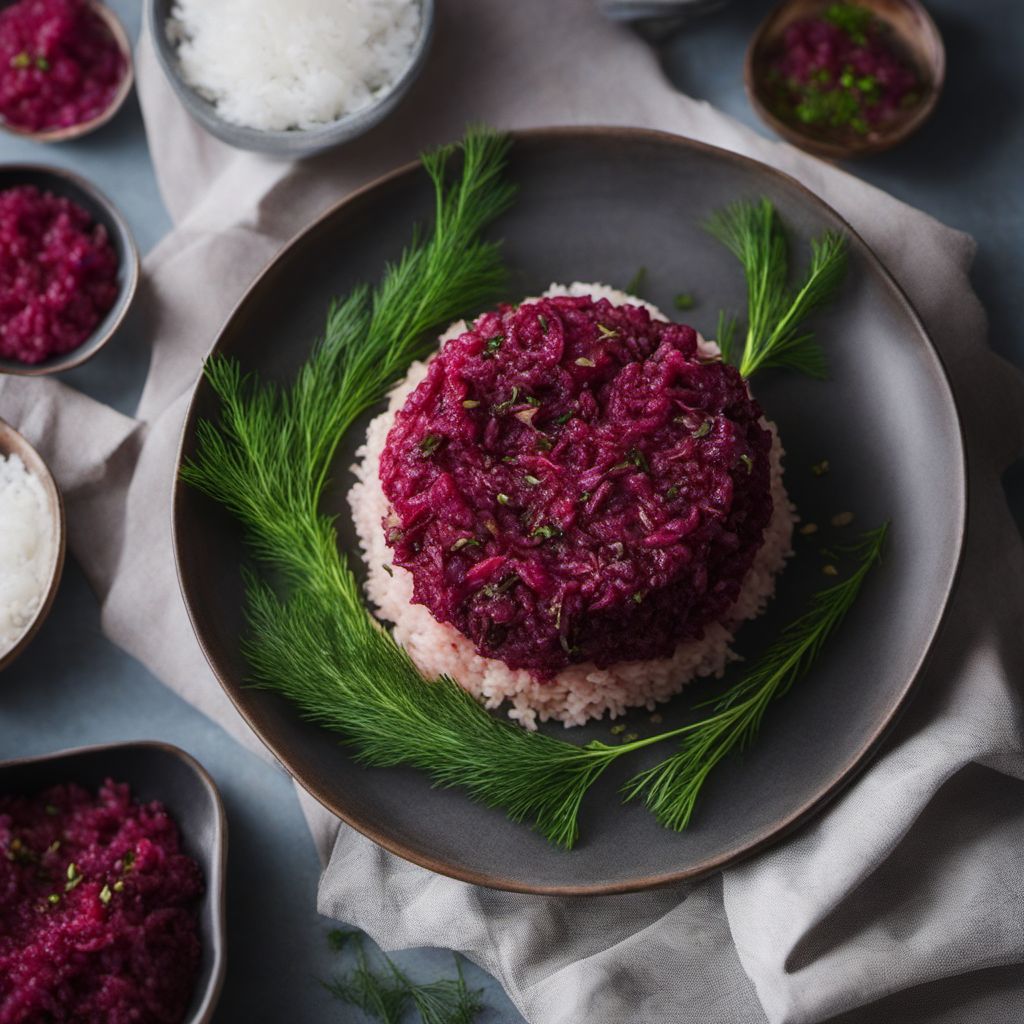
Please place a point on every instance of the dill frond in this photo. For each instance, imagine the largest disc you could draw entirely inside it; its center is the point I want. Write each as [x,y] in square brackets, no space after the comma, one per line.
[775,337]
[671,788]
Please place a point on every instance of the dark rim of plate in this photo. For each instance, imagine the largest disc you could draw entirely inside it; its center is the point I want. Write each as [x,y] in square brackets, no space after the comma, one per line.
[841,777]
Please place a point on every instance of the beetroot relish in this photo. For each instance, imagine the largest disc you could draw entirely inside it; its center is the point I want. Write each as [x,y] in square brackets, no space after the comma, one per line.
[58,274]
[59,64]
[571,482]
[97,910]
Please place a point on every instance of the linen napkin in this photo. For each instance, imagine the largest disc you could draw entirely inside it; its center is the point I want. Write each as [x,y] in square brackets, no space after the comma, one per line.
[905,900]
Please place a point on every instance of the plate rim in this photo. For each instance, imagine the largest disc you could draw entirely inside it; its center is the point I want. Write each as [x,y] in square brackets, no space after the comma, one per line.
[841,777]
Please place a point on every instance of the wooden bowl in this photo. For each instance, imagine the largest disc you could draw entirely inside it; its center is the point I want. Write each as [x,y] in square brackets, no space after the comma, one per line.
[155,771]
[914,33]
[102,211]
[76,131]
[12,443]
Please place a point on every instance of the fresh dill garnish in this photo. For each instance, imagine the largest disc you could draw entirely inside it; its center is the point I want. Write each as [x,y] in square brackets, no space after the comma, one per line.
[754,234]
[684,301]
[670,788]
[387,994]
[636,283]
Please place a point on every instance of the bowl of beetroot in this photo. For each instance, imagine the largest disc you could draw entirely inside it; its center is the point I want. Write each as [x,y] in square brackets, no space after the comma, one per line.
[69,269]
[845,79]
[65,68]
[111,887]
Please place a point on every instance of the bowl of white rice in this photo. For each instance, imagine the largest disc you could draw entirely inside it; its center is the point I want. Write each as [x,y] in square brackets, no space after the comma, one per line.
[31,542]
[290,78]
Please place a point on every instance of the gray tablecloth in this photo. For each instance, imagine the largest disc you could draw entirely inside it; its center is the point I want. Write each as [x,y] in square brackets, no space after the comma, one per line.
[905,901]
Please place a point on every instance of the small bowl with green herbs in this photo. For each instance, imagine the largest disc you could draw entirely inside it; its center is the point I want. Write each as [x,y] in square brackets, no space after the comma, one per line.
[842,79]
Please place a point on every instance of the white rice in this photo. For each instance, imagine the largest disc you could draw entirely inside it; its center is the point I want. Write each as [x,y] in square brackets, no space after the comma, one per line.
[279,64]
[580,692]
[27,549]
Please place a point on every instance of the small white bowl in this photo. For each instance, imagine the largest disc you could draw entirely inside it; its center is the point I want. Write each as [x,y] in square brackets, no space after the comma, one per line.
[292,143]
[12,443]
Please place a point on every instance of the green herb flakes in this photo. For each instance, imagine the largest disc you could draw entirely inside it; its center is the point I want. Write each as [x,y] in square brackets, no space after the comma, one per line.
[470,403]
[503,498]
[105,895]
[584,361]
[430,444]
[684,301]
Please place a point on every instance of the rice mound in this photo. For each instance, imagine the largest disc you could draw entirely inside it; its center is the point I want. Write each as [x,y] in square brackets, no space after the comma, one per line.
[579,692]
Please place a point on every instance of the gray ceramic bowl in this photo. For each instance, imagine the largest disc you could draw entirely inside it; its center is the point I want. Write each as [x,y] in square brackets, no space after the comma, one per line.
[103,211]
[155,771]
[297,143]
[12,443]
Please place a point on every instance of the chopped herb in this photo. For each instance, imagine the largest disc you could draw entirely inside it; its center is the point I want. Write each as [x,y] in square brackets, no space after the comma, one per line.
[496,589]
[105,895]
[491,346]
[830,570]
[684,301]
[703,430]
[748,462]
[638,597]
[531,480]
[465,542]
[42,63]
[546,532]
[842,519]
[630,737]
[53,899]
[54,846]
[585,496]
[387,568]
[808,528]
[820,468]
[607,332]
[584,361]
[470,403]
[564,418]
[339,938]
[531,400]
[129,860]
[502,498]
[509,459]
[72,871]
[617,730]
[544,443]
[430,444]
[21,60]
[853,19]
[119,886]
[543,321]
[636,283]
[638,459]
[672,492]
[503,407]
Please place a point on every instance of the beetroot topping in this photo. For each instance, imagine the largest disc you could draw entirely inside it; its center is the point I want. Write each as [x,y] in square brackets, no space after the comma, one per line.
[58,274]
[97,910]
[572,482]
[839,73]
[59,64]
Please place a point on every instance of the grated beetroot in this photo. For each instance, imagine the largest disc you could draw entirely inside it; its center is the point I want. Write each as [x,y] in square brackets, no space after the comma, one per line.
[58,274]
[571,482]
[97,910]
[59,64]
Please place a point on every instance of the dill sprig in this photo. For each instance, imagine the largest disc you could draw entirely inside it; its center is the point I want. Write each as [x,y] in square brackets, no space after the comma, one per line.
[670,788]
[754,234]
[389,994]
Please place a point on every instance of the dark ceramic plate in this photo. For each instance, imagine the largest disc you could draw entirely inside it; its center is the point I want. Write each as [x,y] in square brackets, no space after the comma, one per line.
[595,205]
[155,771]
[103,211]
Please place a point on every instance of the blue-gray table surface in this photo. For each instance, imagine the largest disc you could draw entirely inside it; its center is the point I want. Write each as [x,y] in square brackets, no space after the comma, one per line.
[73,687]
